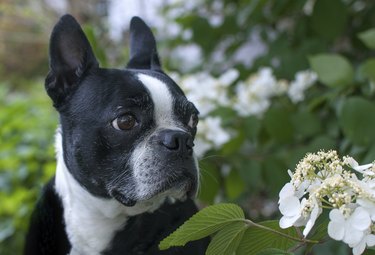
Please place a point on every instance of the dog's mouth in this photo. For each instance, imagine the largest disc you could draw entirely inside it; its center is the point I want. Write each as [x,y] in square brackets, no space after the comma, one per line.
[178,189]
[123,198]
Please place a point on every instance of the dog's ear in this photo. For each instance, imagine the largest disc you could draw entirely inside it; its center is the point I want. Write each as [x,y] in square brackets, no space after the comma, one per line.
[71,57]
[143,52]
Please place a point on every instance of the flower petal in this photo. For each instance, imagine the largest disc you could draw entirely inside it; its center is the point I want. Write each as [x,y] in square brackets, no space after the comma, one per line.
[287,191]
[359,248]
[352,236]
[290,206]
[336,230]
[336,216]
[360,219]
[286,222]
[370,240]
[362,167]
[316,211]
[351,162]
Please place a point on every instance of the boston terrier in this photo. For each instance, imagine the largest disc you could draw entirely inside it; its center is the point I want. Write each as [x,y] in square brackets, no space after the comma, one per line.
[126,170]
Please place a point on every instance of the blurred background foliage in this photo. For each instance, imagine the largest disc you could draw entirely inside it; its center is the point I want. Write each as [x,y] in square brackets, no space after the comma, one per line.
[332,38]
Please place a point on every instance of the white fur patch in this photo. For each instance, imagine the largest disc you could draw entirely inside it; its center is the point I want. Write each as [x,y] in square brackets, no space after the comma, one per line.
[163,101]
[91,222]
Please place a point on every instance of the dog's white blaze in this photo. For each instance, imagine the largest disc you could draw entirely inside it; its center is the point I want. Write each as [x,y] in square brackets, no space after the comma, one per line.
[162,99]
[164,119]
[91,222]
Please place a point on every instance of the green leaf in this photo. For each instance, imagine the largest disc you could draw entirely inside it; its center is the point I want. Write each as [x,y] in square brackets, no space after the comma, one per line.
[210,185]
[368,38]
[357,122]
[255,239]
[367,69]
[278,125]
[306,124]
[234,184]
[204,223]
[322,22]
[274,175]
[320,231]
[226,241]
[333,70]
[273,251]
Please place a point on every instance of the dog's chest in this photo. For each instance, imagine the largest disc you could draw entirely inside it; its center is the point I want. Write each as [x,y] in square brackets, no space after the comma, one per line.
[90,233]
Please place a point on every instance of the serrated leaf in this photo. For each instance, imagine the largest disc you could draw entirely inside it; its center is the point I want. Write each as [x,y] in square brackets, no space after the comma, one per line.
[256,239]
[333,70]
[226,241]
[368,38]
[204,223]
[273,251]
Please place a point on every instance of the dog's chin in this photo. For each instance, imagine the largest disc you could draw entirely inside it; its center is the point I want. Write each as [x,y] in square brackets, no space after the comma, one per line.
[178,190]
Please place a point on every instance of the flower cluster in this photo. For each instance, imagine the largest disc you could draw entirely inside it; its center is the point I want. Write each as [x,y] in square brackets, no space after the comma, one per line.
[215,90]
[249,97]
[324,180]
[210,135]
[253,96]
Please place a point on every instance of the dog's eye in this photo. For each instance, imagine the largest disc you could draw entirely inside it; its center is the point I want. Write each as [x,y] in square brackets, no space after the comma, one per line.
[125,122]
[193,122]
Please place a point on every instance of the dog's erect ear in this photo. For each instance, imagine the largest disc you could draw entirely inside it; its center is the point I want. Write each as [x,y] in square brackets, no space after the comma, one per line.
[143,53]
[70,57]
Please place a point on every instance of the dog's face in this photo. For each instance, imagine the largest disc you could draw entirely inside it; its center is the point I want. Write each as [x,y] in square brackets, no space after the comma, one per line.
[127,133]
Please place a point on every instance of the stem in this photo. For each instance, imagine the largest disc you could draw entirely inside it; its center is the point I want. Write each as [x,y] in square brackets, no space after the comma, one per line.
[301,240]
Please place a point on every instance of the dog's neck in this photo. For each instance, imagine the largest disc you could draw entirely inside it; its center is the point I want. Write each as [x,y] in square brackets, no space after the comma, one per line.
[91,222]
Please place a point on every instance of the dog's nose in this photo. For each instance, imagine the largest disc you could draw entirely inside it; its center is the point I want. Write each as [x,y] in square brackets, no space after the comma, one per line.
[176,140]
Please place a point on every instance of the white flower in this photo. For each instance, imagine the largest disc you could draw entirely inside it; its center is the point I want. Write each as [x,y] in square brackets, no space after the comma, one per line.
[254,94]
[229,77]
[201,147]
[187,57]
[303,80]
[368,205]
[290,207]
[315,212]
[349,229]
[368,239]
[210,135]
[208,92]
[363,169]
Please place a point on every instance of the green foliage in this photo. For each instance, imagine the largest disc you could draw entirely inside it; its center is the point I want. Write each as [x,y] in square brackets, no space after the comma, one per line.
[27,123]
[355,122]
[368,38]
[233,234]
[333,70]
[204,223]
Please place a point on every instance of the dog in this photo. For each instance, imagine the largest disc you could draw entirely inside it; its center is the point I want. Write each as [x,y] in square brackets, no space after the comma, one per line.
[126,170]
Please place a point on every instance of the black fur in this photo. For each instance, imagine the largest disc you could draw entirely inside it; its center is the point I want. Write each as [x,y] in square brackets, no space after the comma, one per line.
[47,234]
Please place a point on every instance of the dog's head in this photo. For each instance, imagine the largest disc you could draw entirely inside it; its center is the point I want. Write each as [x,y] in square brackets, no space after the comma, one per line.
[127,133]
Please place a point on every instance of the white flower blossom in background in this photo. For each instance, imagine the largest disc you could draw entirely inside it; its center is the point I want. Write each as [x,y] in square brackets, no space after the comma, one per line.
[324,180]
[303,80]
[253,96]
[210,135]
[207,92]
[187,57]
